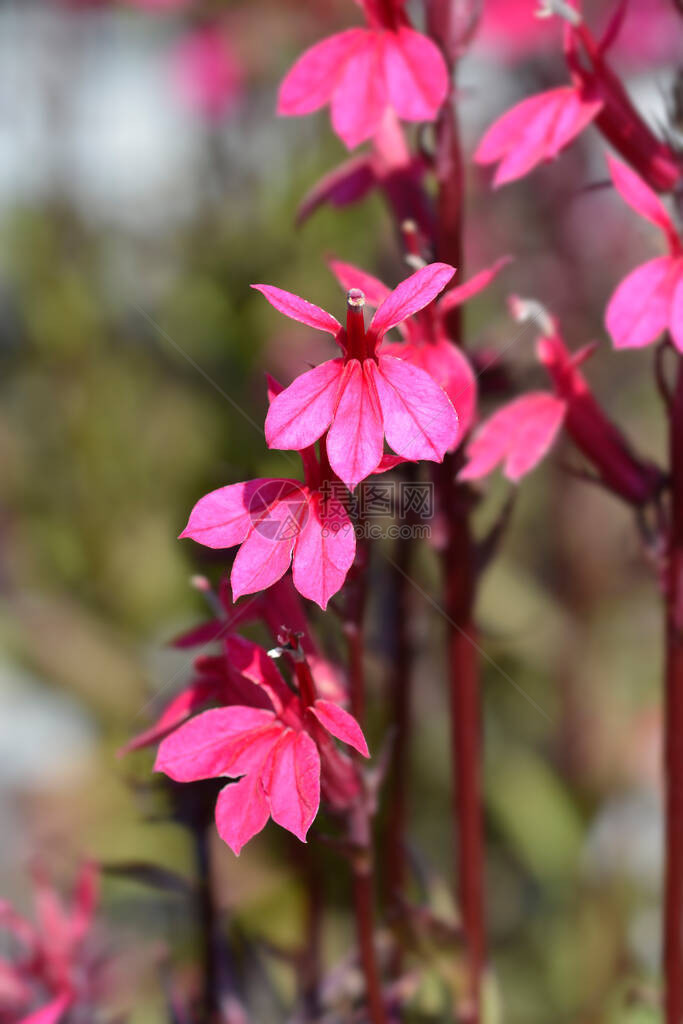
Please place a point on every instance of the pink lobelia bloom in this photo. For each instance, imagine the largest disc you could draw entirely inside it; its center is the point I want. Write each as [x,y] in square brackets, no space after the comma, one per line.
[277,753]
[426,343]
[650,299]
[363,72]
[52,961]
[536,130]
[365,395]
[207,72]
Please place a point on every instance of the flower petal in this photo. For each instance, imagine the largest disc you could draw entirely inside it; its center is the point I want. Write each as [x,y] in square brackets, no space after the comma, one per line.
[299,309]
[324,552]
[252,662]
[641,198]
[356,438]
[676,324]
[374,290]
[416,75]
[178,711]
[520,433]
[294,784]
[411,295]
[226,516]
[301,413]
[51,1013]
[419,420]
[461,293]
[265,555]
[345,184]
[241,811]
[223,741]
[360,97]
[341,724]
[312,80]
[639,309]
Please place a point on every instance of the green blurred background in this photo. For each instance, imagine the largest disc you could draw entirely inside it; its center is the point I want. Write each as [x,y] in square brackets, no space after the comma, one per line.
[130,232]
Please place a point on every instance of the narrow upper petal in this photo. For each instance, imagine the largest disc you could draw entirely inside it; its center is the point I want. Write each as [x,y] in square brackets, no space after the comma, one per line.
[360,97]
[419,420]
[341,724]
[356,438]
[177,711]
[345,184]
[324,552]
[241,811]
[676,323]
[226,516]
[640,308]
[299,309]
[519,434]
[641,198]
[416,75]
[301,413]
[294,784]
[252,662]
[311,81]
[461,293]
[411,295]
[223,741]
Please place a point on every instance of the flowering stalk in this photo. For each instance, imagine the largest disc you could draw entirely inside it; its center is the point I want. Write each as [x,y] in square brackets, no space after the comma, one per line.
[673,722]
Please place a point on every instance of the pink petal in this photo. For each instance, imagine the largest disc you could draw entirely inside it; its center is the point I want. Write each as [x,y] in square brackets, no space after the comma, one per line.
[177,712]
[345,184]
[451,369]
[416,74]
[294,784]
[360,97]
[356,439]
[299,309]
[639,309]
[411,295]
[224,741]
[265,556]
[312,80]
[225,517]
[85,900]
[641,198]
[241,811]
[352,277]
[252,662]
[419,420]
[520,433]
[302,412]
[676,324]
[50,1014]
[341,724]
[324,551]
[461,293]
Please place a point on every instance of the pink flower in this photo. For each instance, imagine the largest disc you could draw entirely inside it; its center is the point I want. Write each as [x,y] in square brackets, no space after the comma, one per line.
[52,963]
[650,299]
[276,753]
[365,395]
[363,72]
[536,130]
[426,343]
[207,73]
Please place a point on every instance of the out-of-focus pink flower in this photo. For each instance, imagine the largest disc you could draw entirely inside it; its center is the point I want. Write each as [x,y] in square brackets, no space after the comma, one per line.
[363,72]
[650,299]
[426,343]
[207,72]
[366,395]
[536,130]
[52,970]
[159,5]
[277,754]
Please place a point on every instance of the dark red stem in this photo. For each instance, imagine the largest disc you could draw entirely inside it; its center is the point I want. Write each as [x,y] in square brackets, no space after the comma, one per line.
[673,724]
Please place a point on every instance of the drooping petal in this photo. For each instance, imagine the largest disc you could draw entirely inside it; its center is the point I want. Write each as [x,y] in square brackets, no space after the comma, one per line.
[356,438]
[178,711]
[360,97]
[416,75]
[641,198]
[411,295]
[374,290]
[535,130]
[341,724]
[419,419]
[252,662]
[226,516]
[519,435]
[294,784]
[639,309]
[265,555]
[676,323]
[312,80]
[301,413]
[345,184]
[301,310]
[52,1013]
[223,741]
[324,552]
[241,811]
[461,293]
